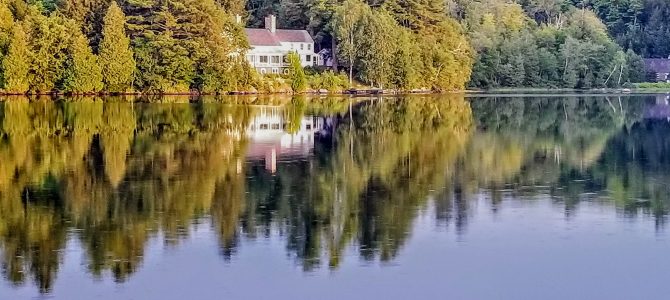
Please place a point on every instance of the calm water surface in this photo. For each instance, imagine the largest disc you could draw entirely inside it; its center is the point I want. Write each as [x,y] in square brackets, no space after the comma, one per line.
[537,197]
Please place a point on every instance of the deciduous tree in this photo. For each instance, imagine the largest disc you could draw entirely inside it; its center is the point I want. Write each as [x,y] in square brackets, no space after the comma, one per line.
[17,64]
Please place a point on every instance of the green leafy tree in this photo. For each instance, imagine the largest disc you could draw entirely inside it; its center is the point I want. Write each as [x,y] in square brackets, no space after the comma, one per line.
[405,67]
[6,25]
[447,57]
[347,24]
[17,64]
[378,48]
[116,56]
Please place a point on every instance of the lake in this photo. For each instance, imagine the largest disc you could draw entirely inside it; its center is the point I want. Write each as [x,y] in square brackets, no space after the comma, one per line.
[452,196]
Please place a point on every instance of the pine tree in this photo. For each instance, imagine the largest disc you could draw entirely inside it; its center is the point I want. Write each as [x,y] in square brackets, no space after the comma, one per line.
[116,56]
[292,14]
[417,14]
[177,42]
[16,63]
[88,14]
[298,79]
[82,72]
[235,7]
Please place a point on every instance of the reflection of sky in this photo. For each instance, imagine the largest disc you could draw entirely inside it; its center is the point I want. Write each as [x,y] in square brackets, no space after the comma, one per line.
[527,249]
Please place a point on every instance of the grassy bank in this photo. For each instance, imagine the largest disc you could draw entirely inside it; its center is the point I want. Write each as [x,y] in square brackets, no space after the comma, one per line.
[652,87]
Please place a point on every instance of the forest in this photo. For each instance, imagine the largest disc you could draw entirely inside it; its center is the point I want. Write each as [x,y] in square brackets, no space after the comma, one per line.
[196,46]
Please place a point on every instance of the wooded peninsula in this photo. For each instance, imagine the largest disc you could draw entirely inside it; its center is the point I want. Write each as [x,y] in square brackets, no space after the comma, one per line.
[199,46]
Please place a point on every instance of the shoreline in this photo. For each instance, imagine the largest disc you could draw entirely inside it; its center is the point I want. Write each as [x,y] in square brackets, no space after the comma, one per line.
[497,92]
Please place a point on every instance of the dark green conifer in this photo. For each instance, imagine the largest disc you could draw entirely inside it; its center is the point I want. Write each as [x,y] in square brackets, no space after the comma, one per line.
[116,57]
[82,72]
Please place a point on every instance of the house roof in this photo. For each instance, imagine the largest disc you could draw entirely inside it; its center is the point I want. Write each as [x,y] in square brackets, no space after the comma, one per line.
[293,36]
[263,37]
[657,65]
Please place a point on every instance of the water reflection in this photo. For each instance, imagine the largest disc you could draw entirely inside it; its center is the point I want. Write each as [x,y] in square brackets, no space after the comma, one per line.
[325,174]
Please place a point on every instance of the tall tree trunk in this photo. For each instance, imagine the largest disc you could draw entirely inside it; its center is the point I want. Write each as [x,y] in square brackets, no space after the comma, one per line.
[351,74]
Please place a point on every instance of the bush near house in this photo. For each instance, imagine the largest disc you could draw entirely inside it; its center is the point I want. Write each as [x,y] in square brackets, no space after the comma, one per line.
[328,80]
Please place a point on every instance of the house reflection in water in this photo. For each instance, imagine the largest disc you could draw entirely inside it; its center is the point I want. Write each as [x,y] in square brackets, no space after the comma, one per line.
[270,138]
[659,110]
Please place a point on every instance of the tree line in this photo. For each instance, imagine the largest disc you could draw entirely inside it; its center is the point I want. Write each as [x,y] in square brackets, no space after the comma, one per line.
[185,46]
[92,46]
[522,43]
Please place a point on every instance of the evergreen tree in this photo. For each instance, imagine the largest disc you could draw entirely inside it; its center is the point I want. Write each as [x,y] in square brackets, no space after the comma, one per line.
[88,14]
[298,78]
[417,14]
[116,57]
[82,72]
[46,36]
[293,14]
[234,7]
[177,41]
[17,64]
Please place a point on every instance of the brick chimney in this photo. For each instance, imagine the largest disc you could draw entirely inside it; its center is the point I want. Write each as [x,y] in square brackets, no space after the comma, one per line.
[271,23]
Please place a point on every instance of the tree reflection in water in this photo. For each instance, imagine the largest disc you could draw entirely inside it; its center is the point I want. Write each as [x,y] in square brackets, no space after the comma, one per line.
[329,175]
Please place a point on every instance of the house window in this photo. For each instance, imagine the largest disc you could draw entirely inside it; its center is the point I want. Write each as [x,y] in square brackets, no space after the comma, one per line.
[275,126]
[264,126]
[275,71]
[308,127]
[309,46]
[308,57]
[302,46]
[263,71]
[264,59]
[286,71]
[275,59]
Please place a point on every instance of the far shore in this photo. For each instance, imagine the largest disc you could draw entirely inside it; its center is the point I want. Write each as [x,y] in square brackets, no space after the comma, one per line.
[503,92]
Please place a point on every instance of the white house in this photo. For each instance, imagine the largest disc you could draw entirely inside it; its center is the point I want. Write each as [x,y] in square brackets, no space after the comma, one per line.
[270,47]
